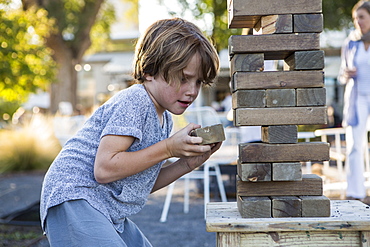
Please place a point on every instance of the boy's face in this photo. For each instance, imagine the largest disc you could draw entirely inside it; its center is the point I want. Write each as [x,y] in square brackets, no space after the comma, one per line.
[172,97]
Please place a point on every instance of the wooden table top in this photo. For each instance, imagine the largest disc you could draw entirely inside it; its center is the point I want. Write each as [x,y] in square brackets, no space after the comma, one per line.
[346,215]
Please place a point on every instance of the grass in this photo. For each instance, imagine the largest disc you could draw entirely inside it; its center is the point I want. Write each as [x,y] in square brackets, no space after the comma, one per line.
[19,235]
[28,146]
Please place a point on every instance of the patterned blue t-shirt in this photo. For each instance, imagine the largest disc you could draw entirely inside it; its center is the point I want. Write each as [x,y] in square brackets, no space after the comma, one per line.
[130,112]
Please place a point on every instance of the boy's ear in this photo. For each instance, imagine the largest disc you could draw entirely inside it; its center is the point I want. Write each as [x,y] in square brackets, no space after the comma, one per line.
[148,77]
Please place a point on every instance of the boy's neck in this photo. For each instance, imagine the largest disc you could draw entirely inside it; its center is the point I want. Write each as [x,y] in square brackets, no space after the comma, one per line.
[157,108]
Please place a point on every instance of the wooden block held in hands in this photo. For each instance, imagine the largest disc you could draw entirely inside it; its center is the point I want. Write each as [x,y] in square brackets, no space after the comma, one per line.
[210,134]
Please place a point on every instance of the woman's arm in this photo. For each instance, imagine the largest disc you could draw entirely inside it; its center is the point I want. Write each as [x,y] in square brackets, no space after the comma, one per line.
[113,162]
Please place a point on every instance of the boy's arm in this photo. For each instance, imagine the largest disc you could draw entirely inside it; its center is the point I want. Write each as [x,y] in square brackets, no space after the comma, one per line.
[182,166]
[113,162]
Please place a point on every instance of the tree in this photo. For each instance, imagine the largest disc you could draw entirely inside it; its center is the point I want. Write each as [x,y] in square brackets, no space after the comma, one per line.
[25,63]
[337,15]
[69,39]
[217,9]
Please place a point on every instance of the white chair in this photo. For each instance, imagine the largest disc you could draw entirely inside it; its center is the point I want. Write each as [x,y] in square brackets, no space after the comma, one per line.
[205,116]
[338,153]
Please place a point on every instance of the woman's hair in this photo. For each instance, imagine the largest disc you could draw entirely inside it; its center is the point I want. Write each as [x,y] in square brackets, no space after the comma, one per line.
[361,5]
[166,48]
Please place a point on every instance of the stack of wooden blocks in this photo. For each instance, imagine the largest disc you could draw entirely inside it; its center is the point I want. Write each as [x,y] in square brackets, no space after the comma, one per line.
[270,182]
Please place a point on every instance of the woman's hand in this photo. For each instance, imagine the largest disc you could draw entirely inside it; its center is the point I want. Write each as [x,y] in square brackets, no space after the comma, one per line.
[350,73]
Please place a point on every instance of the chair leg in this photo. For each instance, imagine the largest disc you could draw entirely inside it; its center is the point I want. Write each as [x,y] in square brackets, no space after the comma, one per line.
[220,183]
[206,186]
[167,202]
[186,194]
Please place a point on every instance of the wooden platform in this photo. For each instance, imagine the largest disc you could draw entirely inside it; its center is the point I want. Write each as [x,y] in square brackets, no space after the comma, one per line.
[349,225]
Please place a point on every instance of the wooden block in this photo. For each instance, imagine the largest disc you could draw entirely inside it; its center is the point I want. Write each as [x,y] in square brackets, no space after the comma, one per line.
[248,98]
[286,206]
[308,23]
[247,62]
[254,172]
[210,134]
[280,97]
[301,151]
[306,60]
[277,24]
[244,14]
[311,185]
[315,206]
[254,207]
[274,46]
[311,96]
[287,171]
[277,80]
[279,134]
[280,116]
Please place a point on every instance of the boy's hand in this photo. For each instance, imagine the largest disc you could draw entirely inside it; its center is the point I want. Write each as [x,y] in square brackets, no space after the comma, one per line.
[196,161]
[182,145]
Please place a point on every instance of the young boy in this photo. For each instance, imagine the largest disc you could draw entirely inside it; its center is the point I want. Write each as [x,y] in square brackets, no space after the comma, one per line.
[107,170]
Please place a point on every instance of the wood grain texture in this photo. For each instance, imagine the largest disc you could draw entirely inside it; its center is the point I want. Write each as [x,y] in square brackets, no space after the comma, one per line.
[254,207]
[247,63]
[308,23]
[244,14]
[279,134]
[286,206]
[311,96]
[310,185]
[277,80]
[274,46]
[280,116]
[315,206]
[298,152]
[280,97]
[306,60]
[277,24]
[287,171]
[248,98]
[346,216]
[254,172]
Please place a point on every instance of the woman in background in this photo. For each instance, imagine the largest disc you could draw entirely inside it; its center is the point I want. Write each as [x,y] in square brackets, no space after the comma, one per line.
[355,73]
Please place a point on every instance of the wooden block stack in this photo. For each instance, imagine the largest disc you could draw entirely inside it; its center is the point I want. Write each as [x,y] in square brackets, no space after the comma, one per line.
[270,181]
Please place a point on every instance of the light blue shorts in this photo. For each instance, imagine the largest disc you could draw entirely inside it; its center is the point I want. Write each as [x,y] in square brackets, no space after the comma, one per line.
[76,223]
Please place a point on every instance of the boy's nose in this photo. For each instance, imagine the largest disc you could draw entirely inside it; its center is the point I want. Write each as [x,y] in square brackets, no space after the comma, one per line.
[192,89]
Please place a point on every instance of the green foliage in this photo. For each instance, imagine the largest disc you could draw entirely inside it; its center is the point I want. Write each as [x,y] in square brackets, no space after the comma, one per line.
[337,13]
[217,9]
[7,109]
[31,146]
[26,64]
[101,29]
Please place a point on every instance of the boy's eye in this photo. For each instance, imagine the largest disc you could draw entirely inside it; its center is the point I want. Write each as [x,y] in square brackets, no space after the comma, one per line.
[200,81]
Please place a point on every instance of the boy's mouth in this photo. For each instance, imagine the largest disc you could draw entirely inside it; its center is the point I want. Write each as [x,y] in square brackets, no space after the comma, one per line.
[184,103]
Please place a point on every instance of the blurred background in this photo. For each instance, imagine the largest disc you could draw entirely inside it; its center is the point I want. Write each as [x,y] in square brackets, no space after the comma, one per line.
[61,59]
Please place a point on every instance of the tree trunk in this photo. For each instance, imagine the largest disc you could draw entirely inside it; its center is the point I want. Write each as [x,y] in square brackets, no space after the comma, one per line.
[65,88]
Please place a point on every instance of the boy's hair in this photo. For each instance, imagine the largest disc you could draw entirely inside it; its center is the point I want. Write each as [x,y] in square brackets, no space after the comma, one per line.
[166,48]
